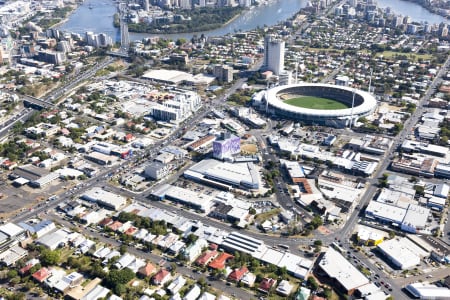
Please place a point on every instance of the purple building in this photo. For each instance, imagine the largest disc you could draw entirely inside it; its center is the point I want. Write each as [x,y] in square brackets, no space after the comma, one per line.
[226,146]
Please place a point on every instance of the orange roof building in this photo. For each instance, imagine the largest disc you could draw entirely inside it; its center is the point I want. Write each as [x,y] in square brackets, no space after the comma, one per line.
[206,257]
[148,270]
[161,277]
[266,284]
[219,262]
[41,274]
[115,226]
[237,274]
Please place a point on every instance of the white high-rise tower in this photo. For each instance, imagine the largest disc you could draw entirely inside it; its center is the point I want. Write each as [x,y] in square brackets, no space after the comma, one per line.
[274,54]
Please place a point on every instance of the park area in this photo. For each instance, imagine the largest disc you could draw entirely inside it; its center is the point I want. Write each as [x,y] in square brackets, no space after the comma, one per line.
[315,103]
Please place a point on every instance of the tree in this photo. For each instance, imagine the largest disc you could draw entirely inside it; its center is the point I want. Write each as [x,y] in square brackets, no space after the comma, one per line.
[123,249]
[12,274]
[16,296]
[120,289]
[97,270]
[252,211]
[316,222]
[50,257]
[191,238]
[173,268]
[328,293]
[318,243]
[117,277]
[282,272]
[412,179]
[312,283]
[391,234]
[420,190]
[202,282]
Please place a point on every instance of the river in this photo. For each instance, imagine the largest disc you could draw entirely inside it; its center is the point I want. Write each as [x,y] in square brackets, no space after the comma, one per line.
[97,16]
[413,10]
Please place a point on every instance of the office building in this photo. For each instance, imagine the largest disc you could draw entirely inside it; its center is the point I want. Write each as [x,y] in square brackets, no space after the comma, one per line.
[274,54]
[226,146]
[223,73]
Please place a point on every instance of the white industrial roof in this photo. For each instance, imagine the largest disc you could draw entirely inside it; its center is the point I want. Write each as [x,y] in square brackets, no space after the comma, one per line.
[188,196]
[272,256]
[244,243]
[98,194]
[425,290]
[167,75]
[237,173]
[403,252]
[336,266]
[416,216]
[367,233]
[386,211]
[11,229]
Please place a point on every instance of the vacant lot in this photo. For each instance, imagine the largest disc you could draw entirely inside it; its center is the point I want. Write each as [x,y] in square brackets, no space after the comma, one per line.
[315,103]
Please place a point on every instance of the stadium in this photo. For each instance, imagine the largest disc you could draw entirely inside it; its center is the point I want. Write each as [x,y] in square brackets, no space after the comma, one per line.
[318,104]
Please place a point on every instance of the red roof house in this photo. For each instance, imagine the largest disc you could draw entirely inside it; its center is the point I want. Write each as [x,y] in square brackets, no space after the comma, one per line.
[219,262]
[131,231]
[266,284]
[206,257]
[41,274]
[237,274]
[25,269]
[129,137]
[115,226]
[105,222]
[161,277]
[147,270]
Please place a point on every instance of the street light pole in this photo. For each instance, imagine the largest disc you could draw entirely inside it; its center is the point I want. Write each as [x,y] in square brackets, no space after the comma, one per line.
[353,104]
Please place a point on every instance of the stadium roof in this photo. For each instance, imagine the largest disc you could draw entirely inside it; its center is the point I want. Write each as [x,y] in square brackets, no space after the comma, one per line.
[367,106]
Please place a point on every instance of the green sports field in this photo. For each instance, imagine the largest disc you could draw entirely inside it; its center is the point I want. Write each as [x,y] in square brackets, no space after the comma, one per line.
[315,103]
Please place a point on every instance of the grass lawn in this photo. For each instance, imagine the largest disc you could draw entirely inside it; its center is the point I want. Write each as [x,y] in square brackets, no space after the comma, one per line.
[413,56]
[315,103]
[261,217]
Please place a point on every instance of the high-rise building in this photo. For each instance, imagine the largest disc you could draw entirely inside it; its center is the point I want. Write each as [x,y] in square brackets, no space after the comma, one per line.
[223,73]
[274,54]
[104,40]
[146,5]
[245,3]
[63,46]
[6,48]
[52,57]
[185,4]
[226,146]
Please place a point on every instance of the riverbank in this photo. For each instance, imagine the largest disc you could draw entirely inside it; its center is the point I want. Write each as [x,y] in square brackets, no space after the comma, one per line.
[67,17]
[430,8]
[202,19]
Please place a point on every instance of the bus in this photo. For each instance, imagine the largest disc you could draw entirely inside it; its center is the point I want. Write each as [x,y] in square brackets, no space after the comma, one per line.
[283,246]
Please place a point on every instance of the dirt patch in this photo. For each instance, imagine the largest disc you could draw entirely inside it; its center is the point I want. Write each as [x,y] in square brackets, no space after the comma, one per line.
[249,148]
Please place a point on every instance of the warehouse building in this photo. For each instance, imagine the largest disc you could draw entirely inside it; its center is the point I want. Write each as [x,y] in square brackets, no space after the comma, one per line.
[402,252]
[198,201]
[239,175]
[425,290]
[104,198]
[409,217]
[343,274]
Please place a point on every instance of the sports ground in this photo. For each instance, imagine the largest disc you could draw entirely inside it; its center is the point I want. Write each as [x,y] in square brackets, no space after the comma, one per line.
[315,103]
